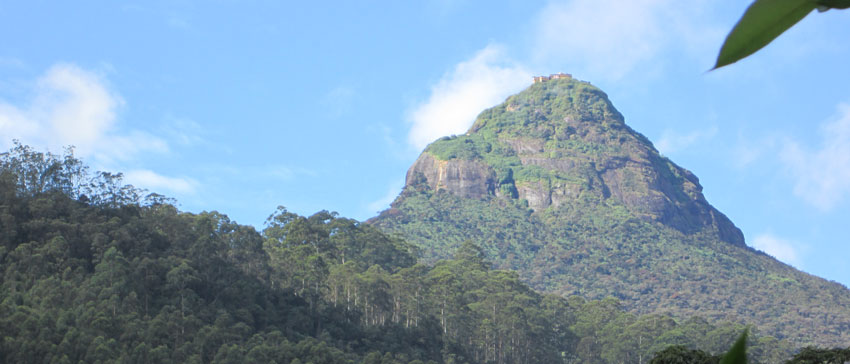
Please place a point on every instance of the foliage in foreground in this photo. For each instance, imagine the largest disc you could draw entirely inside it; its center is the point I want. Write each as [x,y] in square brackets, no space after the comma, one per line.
[679,354]
[812,355]
[737,354]
[765,20]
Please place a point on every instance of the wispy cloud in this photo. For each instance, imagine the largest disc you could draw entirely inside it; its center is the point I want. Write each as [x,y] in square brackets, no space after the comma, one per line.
[70,106]
[610,39]
[183,131]
[749,149]
[473,85]
[822,173]
[384,201]
[672,141]
[73,106]
[156,182]
[781,249]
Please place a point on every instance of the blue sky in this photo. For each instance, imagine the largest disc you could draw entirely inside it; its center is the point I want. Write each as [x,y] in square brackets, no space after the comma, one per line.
[240,106]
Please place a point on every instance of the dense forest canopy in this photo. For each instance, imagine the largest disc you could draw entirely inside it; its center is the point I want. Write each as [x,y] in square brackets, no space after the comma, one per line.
[96,271]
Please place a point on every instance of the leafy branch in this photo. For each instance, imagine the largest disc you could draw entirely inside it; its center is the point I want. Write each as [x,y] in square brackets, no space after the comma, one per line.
[765,20]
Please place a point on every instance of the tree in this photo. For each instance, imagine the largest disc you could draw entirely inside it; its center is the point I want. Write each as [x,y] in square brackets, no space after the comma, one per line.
[180,279]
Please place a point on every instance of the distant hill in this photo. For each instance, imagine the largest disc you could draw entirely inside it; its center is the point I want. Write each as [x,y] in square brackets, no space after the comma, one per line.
[553,184]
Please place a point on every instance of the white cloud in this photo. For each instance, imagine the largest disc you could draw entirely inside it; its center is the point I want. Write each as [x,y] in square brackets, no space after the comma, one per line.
[79,108]
[14,124]
[672,141]
[822,174]
[599,39]
[483,81]
[781,249]
[155,182]
[72,106]
[609,39]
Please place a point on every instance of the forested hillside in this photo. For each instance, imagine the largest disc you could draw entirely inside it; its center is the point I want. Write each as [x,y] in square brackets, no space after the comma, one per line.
[553,184]
[94,271]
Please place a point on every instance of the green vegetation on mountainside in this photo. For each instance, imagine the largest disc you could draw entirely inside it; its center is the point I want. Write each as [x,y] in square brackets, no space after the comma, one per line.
[526,116]
[92,272]
[562,133]
[583,205]
[597,251]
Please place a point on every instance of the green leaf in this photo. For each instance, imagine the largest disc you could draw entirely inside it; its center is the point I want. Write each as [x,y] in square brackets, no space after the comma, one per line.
[833,4]
[763,21]
[738,353]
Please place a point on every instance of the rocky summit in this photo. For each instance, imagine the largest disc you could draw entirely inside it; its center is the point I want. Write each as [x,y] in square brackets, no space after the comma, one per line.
[554,184]
[562,141]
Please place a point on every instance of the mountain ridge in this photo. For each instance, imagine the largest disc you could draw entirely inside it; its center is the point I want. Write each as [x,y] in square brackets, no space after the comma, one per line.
[554,184]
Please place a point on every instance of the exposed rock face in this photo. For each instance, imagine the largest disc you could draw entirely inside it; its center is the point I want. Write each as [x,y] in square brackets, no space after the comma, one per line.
[562,141]
[465,178]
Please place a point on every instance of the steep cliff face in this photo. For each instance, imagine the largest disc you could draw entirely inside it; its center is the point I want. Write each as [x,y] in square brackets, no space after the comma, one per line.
[553,184]
[465,178]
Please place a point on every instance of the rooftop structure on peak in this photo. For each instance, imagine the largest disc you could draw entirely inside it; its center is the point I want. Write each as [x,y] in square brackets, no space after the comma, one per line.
[554,76]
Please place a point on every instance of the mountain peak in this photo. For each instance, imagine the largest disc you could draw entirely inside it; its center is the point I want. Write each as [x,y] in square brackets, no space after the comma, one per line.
[561,144]
[551,104]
